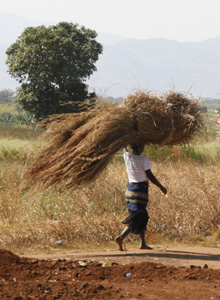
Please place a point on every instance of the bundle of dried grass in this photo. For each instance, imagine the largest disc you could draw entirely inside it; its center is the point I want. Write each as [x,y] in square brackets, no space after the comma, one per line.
[81,145]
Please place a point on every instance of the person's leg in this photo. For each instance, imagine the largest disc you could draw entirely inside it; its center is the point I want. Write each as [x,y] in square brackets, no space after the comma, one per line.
[119,239]
[143,244]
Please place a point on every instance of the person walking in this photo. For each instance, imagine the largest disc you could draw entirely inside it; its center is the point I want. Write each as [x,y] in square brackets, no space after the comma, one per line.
[139,174]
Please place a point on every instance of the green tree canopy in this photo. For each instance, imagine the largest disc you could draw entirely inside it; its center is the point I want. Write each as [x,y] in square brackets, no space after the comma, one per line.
[52,64]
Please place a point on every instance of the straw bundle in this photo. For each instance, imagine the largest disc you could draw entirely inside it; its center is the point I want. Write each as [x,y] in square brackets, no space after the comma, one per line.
[81,145]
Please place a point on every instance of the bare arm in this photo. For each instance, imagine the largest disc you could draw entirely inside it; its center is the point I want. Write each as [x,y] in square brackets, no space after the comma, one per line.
[154,180]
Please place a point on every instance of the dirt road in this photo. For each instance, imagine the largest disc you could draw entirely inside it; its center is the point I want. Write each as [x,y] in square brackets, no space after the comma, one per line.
[161,273]
[175,256]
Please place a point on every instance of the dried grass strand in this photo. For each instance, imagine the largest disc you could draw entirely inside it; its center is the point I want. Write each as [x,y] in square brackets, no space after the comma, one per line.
[81,145]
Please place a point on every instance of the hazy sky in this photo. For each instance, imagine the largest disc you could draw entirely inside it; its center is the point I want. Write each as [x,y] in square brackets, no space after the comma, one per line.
[181,20]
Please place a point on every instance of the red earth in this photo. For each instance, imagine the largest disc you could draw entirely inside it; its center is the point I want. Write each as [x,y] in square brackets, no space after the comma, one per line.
[175,273]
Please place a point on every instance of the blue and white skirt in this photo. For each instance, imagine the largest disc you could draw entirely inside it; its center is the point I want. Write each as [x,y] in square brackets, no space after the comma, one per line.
[137,200]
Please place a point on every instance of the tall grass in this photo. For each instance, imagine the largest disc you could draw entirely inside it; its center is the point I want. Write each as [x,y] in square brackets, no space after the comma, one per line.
[9,107]
[201,153]
[93,214]
[11,132]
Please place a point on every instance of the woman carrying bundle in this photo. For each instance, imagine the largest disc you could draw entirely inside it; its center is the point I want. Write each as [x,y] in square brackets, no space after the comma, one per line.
[139,172]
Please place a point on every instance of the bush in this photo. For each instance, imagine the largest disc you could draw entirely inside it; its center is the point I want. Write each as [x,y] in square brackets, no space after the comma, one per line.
[23,119]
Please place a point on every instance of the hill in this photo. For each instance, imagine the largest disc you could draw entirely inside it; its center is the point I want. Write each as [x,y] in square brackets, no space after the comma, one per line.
[129,64]
[160,65]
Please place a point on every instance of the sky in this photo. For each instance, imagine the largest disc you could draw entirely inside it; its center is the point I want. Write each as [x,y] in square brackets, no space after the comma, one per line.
[180,20]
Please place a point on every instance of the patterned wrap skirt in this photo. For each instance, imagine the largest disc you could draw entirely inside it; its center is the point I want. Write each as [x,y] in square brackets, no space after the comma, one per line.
[136,201]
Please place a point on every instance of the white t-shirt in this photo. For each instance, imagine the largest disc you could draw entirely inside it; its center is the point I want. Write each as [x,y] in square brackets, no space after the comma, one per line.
[136,165]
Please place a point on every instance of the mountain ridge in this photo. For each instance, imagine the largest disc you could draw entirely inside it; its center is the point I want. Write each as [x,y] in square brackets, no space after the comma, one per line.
[126,65]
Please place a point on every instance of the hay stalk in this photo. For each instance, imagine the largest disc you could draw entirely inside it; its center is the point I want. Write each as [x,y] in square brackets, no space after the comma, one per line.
[81,145]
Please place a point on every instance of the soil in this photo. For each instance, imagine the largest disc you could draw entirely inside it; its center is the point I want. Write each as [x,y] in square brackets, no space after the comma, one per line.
[161,273]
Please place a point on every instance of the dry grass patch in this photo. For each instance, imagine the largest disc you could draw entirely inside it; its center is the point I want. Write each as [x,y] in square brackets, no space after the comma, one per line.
[92,214]
[193,203]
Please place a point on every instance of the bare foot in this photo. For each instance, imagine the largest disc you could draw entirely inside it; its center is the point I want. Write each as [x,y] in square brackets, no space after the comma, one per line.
[146,247]
[119,242]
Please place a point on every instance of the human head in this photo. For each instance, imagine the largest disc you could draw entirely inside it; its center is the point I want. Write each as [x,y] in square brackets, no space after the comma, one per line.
[137,148]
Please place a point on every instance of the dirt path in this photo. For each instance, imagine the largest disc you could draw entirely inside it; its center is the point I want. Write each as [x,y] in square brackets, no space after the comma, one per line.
[161,273]
[175,256]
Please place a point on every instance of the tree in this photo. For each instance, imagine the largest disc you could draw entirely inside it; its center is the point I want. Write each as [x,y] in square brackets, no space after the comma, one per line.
[6,96]
[52,64]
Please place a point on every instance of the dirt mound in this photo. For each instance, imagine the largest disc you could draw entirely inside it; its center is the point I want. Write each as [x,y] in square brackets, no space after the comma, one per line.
[27,278]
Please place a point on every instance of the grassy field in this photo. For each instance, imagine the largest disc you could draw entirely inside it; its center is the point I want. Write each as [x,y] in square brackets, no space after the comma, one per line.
[92,215]
[9,107]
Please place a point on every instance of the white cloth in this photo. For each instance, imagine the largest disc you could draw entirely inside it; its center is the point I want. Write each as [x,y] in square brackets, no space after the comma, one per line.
[136,165]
